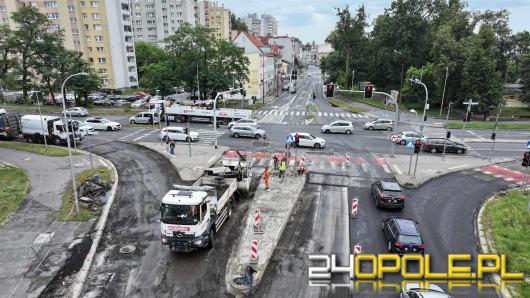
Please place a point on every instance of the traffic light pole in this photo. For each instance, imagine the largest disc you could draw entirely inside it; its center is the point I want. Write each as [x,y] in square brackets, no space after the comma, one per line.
[410,162]
[416,166]
[494,133]
[446,129]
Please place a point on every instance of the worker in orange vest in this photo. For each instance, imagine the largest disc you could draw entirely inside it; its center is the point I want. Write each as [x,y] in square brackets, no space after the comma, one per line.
[266,176]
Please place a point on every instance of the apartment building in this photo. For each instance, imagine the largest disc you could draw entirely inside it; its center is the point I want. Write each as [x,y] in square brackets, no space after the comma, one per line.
[291,47]
[100,29]
[266,25]
[216,17]
[153,20]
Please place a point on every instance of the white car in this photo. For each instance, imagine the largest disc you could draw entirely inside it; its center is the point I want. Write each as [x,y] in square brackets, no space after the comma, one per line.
[77,111]
[245,122]
[138,103]
[339,126]
[309,140]
[103,124]
[414,290]
[177,133]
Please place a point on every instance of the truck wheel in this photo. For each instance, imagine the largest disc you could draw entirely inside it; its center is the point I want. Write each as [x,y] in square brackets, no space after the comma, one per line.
[180,119]
[57,141]
[210,239]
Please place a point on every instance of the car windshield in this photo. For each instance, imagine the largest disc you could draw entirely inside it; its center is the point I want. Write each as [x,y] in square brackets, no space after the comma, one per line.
[312,136]
[105,120]
[410,239]
[180,214]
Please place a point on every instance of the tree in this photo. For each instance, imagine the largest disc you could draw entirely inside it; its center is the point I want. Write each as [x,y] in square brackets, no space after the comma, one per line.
[31,29]
[158,76]
[6,49]
[525,78]
[237,24]
[147,54]
[415,92]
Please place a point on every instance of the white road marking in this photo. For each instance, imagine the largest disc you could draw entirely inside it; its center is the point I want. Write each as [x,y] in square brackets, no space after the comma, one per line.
[342,115]
[320,114]
[365,169]
[354,115]
[297,113]
[333,165]
[476,135]
[292,113]
[131,134]
[325,114]
[397,169]
[387,170]
[145,135]
[457,167]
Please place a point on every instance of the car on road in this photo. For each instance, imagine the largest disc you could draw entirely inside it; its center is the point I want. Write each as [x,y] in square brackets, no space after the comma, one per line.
[103,124]
[247,131]
[285,87]
[77,112]
[85,130]
[402,235]
[339,126]
[145,118]
[414,290]
[436,145]
[177,133]
[309,140]
[387,193]
[245,122]
[408,136]
[384,124]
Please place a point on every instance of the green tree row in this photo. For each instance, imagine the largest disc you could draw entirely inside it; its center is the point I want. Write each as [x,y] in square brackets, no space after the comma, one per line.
[193,59]
[476,50]
[33,58]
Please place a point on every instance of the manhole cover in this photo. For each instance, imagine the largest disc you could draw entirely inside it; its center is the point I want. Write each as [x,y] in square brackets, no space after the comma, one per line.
[127,249]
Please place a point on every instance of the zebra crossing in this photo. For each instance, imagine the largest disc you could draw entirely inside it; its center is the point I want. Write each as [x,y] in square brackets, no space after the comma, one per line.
[302,113]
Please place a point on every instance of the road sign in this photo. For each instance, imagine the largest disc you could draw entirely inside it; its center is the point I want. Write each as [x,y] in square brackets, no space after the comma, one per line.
[289,139]
[410,144]
[393,138]
[528,145]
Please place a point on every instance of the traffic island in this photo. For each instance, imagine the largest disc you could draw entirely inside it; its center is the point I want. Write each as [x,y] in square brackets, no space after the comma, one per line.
[256,249]
[190,168]
[432,166]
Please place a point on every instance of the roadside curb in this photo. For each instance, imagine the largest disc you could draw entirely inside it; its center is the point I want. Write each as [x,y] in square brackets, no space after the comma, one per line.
[77,286]
[484,244]
[239,290]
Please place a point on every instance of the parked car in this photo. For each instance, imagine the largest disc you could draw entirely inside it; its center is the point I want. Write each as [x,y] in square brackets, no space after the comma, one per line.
[435,145]
[138,103]
[309,140]
[245,122]
[80,127]
[339,126]
[145,118]
[120,103]
[403,235]
[97,95]
[247,131]
[77,111]
[408,136]
[103,123]
[285,87]
[414,290]
[177,133]
[103,102]
[388,194]
[379,124]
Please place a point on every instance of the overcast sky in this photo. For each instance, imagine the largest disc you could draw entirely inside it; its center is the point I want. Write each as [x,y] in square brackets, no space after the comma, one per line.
[314,19]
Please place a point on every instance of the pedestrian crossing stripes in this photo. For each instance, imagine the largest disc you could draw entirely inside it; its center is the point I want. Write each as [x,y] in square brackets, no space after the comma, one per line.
[503,173]
[302,113]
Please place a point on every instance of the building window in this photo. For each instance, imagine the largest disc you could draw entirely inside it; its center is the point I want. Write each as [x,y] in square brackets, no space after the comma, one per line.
[103,70]
[77,42]
[83,4]
[140,36]
[75,31]
[90,49]
[85,16]
[53,27]
[50,4]
[105,81]
[102,60]
[86,27]
[95,16]
[99,38]
[94,3]
[100,49]
[52,15]
[71,8]
[87,38]
[91,60]
[97,27]
[137,14]
[3,8]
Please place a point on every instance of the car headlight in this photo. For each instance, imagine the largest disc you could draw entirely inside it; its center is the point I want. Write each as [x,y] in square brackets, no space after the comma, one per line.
[164,240]
[197,242]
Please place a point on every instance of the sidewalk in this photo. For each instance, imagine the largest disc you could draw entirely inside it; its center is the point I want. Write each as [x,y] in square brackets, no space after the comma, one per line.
[276,207]
[431,166]
[189,168]
[33,227]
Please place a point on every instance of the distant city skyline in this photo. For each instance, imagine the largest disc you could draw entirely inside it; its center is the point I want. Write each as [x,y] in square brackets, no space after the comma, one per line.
[314,19]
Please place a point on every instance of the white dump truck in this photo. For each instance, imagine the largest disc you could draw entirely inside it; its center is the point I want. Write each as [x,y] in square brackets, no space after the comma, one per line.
[52,127]
[234,164]
[180,113]
[190,215]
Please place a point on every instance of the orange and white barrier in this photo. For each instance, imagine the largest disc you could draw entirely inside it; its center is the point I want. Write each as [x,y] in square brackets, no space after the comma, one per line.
[257,222]
[354,207]
[254,252]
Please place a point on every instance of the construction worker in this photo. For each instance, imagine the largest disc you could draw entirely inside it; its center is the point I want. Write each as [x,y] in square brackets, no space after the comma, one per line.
[301,169]
[266,176]
[282,168]
[276,161]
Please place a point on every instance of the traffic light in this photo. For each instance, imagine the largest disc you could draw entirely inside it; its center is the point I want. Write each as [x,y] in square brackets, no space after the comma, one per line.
[368,90]
[186,131]
[294,77]
[526,159]
[417,146]
[448,136]
[330,90]
[493,135]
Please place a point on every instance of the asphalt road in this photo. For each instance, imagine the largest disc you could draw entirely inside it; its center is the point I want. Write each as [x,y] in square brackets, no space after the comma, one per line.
[152,270]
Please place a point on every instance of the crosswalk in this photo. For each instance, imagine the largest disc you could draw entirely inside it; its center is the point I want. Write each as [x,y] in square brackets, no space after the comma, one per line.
[506,174]
[142,135]
[302,113]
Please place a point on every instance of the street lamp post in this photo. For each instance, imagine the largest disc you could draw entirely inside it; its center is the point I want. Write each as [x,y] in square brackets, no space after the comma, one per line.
[352,76]
[416,115]
[215,113]
[415,80]
[402,69]
[446,129]
[74,188]
[443,94]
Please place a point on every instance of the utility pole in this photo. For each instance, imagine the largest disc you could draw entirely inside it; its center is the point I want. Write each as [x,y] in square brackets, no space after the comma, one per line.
[469,104]
[443,94]
[352,76]
[426,105]
[494,133]
[446,129]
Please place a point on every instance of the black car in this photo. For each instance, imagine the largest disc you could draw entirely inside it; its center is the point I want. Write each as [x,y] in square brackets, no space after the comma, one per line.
[388,194]
[402,235]
[437,145]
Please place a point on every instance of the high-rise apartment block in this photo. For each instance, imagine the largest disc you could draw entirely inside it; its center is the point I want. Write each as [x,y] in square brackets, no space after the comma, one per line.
[100,29]
[264,26]
[215,17]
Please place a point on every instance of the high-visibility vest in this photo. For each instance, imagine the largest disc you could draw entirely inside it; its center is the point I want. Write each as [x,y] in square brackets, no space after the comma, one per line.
[283,166]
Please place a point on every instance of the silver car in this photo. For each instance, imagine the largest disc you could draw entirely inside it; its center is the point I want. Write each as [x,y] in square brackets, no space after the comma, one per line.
[413,290]
[247,131]
[245,122]
[77,111]
[146,118]
[339,126]
[408,136]
[379,124]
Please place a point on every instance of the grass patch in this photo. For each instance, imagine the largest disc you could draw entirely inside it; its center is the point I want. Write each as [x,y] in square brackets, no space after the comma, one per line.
[13,185]
[509,221]
[488,125]
[52,151]
[347,106]
[509,112]
[67,210]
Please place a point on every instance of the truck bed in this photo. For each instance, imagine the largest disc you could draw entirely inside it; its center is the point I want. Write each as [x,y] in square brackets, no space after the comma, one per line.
[218,188]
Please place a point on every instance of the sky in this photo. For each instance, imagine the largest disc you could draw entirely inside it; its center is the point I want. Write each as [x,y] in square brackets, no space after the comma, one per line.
[313,19]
